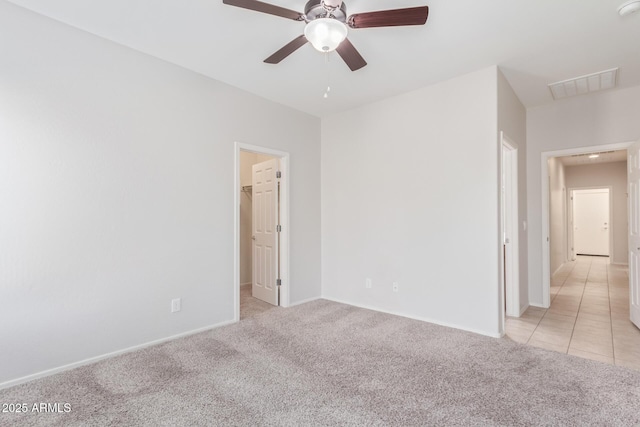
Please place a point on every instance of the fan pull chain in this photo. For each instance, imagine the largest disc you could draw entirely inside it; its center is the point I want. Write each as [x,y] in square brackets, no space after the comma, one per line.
[326,92]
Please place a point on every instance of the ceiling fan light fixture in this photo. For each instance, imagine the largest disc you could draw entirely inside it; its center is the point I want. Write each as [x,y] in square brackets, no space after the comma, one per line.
[325,34]
[629,7]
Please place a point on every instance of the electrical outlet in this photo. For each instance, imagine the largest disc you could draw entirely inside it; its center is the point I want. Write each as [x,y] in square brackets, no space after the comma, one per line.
[367,283]
[394,286]
[176,305]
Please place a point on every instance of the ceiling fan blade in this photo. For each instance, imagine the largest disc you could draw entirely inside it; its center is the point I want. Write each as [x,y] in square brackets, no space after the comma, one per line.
[390,18]
[287,50]
[271,9]
[350,55]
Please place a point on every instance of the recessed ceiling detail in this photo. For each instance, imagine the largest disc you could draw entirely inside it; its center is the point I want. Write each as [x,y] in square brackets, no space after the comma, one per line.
[585,84]
[594,158]
[593,155]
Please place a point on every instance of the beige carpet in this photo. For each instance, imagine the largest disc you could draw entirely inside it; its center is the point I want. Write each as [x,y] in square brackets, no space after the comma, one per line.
[325,363]
[250,306]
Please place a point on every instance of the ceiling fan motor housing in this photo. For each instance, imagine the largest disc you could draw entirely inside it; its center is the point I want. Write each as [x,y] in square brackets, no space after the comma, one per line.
[314,9]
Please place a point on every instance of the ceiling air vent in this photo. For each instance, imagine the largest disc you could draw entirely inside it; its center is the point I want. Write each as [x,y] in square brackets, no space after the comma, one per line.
[585,84]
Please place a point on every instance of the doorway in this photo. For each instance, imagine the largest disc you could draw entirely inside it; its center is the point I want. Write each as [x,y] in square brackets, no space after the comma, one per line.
[547,194]
[261,212]
[589,222]
[589,298]
[509,228]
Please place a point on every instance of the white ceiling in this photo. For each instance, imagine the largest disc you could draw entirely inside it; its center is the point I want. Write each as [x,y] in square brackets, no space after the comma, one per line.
[603,157]
[535,43]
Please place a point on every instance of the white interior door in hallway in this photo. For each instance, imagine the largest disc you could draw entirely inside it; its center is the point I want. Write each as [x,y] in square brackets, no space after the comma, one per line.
[633,165]
[509,228]
[264,231]
[591,225]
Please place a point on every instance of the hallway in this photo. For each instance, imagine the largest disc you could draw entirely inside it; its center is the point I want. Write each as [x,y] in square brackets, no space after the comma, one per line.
[588,317]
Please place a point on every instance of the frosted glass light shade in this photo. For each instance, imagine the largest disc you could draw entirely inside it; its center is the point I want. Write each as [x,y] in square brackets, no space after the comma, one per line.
[629,7]
[325,34]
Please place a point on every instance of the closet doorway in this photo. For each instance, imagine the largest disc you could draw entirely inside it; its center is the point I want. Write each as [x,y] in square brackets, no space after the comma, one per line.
[261,237]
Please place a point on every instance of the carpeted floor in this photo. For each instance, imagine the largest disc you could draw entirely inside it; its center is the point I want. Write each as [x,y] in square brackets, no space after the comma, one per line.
[324,363]
[250,306]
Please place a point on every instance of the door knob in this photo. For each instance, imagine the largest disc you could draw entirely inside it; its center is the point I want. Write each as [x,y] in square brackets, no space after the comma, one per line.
[253,237]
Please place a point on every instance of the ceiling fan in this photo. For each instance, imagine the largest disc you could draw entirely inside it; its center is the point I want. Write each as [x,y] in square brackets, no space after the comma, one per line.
[327,26]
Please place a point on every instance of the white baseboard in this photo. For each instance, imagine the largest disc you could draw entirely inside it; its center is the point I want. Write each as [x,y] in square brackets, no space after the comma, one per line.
[423,319]
[558,269]
[95,359]
[304,301]
[533,304]
[521,311]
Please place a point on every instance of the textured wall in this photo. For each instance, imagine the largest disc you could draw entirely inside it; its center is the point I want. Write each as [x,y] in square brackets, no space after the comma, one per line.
[116,189]
[410,194]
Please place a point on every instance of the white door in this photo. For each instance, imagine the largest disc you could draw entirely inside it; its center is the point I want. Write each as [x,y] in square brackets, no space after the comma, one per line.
[633,163]
[510,222]
[264,234]
[571,246]
[591,222]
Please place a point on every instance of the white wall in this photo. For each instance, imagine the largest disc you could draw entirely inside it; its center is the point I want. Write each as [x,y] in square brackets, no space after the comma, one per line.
[557,215]
[613,175]
[410,194]
[591,120]
[116,192]
[512,120]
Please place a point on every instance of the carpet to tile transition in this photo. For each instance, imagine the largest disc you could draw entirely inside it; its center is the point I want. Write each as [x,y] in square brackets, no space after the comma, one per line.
[324,363]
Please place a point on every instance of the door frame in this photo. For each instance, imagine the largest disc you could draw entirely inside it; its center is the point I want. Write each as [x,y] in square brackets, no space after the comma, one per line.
[544,203]
[571,212]
[284,158]
[509,224]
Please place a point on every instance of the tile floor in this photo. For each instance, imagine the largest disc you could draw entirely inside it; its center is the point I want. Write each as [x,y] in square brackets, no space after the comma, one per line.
[588,317]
